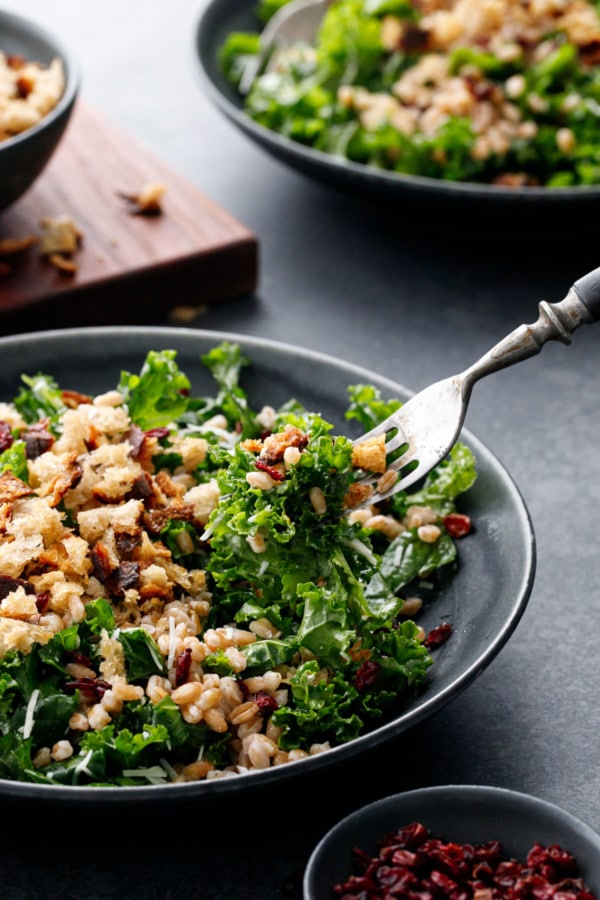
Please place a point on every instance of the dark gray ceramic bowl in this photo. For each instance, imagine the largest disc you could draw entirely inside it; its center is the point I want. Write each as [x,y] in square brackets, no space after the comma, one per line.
[412,197]
[484,600]
[462,813]
[24,156]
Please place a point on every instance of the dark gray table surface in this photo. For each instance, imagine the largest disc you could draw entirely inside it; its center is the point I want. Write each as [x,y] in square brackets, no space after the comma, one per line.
[416,303]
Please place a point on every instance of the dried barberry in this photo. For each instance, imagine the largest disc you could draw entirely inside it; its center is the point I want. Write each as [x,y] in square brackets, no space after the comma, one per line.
[8,584]
[79,658]
[366,674]
[266,702]
[438,636]
[274,473]
[93,687]
[435,869]
[42,601]
[6,437]
[38,439]
[457,524]
[183,666]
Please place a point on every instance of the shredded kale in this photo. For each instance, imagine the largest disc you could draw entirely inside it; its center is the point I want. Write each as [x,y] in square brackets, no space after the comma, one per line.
[300,99]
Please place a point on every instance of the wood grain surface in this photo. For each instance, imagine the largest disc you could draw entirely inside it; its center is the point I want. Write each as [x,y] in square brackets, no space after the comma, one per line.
[131,268]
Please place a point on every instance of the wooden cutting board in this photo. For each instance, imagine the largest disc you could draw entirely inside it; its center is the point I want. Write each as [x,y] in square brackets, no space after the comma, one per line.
[131,268]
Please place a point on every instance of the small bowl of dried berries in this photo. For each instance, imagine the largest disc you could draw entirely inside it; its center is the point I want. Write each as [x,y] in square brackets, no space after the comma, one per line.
[463,842]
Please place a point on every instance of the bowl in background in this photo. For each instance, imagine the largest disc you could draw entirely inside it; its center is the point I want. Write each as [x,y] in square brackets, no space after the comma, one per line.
[456,813]
[412,198]
[24,156]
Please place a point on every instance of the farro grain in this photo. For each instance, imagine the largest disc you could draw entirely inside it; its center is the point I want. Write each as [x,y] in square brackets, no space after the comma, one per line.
[260,481]
[260,750]
[419,515]
[270,681]
[42,758]
[411,606]
[387,481]
[264,629]
[62,750]
[78,722]
[187,693]
[197,770]
[387,525]
[98,717]
[429,534]
[111,703]
[209,698]
[257,543]
[245,712]
[317,499]
[77,670]
[215,719]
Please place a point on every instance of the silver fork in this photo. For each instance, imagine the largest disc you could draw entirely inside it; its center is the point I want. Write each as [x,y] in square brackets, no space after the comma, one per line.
[425,428]
[297,21]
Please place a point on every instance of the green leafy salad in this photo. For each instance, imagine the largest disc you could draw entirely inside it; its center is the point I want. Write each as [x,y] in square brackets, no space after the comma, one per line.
[502,92]
[192,588]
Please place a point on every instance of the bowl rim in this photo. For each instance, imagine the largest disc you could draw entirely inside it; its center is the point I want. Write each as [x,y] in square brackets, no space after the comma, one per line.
[72,74]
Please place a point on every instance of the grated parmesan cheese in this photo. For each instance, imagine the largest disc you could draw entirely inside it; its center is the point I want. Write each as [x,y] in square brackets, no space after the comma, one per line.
[29,715]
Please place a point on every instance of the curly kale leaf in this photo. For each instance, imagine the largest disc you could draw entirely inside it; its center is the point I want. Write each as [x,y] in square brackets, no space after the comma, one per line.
[156,397]
[225,363]
[367,406]
[321,709]
[41,398]
[452,477]
[14,459]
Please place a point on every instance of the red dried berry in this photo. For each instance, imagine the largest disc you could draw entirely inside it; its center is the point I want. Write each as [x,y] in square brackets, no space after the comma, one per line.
[37,439]
[6,438]
[275,474]
[9,584]
[42,601]
[441,870]
[438,636]
[457,524]
[183,666]
[265,702]
[366,674]
[157,433]
[93,687]
[80,658]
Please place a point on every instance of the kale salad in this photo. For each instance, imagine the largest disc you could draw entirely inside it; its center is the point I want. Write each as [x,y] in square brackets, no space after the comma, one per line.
[501,92]
[194,588]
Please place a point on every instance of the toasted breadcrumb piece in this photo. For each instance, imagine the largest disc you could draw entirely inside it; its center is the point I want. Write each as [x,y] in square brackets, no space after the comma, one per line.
[370,455]
[12,417]
[10,246]
[17,635]
[12,487]
[63,263]
[60,241]
[357,495]
[148,201]
[18,605]
[59,235]
[186,313]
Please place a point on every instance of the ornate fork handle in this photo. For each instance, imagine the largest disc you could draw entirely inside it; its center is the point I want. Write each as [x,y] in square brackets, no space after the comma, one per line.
[556,322]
